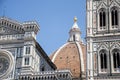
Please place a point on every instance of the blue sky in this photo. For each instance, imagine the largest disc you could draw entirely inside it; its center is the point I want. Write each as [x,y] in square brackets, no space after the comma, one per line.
[55,18]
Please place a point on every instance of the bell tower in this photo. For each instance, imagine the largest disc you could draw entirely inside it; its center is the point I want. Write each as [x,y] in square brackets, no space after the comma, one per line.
[103,39]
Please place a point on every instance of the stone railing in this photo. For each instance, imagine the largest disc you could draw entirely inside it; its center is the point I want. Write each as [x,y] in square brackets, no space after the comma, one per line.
[12,37]
[53,72]
[47,75]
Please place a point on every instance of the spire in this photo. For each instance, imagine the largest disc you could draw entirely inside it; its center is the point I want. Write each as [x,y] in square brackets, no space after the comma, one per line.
[75,23]
[75,32]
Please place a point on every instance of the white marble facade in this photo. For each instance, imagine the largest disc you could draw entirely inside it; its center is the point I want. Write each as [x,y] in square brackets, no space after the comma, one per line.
[103,39]
[21,57]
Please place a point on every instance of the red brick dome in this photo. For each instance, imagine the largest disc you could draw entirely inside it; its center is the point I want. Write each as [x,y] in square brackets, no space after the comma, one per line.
[71,56]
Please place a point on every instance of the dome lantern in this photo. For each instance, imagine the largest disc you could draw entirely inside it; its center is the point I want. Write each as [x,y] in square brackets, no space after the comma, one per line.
[75,33]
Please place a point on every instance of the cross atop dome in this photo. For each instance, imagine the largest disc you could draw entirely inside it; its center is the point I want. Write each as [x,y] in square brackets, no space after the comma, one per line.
[75,32]
[75,19]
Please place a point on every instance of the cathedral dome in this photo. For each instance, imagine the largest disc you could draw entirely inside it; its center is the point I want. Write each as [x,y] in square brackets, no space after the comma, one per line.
[72,54]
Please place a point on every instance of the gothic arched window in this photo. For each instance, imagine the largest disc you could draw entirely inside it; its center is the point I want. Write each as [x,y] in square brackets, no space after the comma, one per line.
[102,19]
[103,59]
[114,16]
[116,58]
